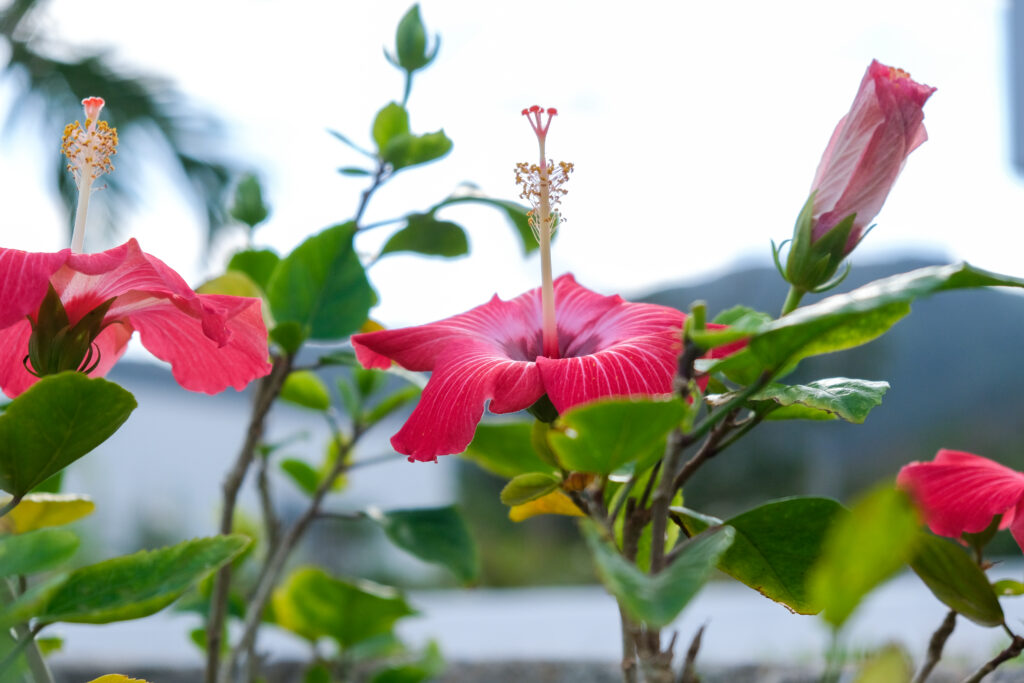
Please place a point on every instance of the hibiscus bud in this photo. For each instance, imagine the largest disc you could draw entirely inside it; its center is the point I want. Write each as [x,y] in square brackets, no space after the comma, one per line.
[865,155]
[56,345]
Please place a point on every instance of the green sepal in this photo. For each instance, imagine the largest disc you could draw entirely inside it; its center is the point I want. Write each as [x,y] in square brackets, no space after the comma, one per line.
[56,345]
[812,263]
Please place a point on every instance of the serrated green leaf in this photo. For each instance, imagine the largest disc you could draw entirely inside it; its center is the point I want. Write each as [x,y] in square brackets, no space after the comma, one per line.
[322,286]
[863,549]
[824,399]
[36,551]
[426,235]
[604,435]
[56,421]
[315,605]
[131,586]
[258,264]
[436,535]
[657,600]
[956,580]
[505,449]
[304,388]
[526,487]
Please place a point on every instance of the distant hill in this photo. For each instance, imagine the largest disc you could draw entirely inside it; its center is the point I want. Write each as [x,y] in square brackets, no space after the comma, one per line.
[956,369]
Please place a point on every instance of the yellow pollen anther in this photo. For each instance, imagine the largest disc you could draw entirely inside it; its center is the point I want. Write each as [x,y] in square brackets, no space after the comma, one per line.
[88,148]
[535,180]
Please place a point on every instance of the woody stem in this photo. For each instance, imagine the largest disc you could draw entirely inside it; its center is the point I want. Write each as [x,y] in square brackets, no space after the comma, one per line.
[549,328]
[84,190]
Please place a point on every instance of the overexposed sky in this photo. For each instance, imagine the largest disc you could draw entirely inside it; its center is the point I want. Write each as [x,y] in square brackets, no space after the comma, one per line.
[695,127]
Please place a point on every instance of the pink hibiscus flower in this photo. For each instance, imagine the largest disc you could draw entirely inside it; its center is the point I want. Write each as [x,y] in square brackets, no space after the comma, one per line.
[868,149]
[211,341]
[606,347]
[961,493]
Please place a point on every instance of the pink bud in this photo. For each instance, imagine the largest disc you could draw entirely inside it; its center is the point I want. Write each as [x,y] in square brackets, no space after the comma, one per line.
[868,149]
[93,105]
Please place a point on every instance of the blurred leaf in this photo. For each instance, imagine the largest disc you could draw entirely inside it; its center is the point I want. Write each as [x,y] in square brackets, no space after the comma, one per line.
[248,206]
[526,487]
[116,678]
[391,403]
[258,264]
[56,421]
[657,600]
[955,579]
[51,485]
[1008,587]
[354,171]
[428,666]
[436,535]
[322,286]
[36,551]
[824,399]
[39,510]
[889,665]
[314,605]
[232,283]
[742,322]
[775,547]
[50,645]
[128,587]
[302,473]
[863,549]
[391,122]
[304,388]
[515,213]
[505,449]
[413,150]
[318,673]
[345,357]
[289,336]
[602,436]
[554,503]
[411,42]
[426,235]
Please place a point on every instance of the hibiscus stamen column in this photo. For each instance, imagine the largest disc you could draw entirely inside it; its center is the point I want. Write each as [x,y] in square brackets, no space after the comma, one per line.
[542,186]
[88,148]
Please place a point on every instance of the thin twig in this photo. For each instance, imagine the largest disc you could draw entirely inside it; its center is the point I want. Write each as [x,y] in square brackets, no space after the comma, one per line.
[629,670]
[689,672]
[275,564]
[27,644]
[271,524]
[709,449]
[1012,650]
[269,388]
[11,504]
[375,460]
[935,647]
[379,177]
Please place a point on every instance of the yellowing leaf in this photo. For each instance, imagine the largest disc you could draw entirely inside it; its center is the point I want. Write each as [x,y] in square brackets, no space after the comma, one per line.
[554,503]
[39,510]
[371,325]
[116,678]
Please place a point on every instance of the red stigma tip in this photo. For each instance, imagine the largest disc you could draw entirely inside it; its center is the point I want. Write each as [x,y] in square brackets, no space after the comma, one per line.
[526,112]
[92,107]
[535,109]
[552,111]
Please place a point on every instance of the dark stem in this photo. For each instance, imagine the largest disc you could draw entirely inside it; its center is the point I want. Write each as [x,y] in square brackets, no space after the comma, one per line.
[1012,650]
[271,524]
[11,504]
[378,179]
[935,647]
[269,388]
[689,672]
[275,563]
[709,449]
[629,670]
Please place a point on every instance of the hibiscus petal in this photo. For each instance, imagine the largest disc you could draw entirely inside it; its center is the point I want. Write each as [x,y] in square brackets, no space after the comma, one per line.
[14,378]
[198,362]
[24,278]
[464,378]
[961,492]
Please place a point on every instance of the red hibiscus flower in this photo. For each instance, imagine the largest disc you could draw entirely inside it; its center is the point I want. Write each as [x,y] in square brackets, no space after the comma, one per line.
[211,341]
[606,347]
[868,149]
[961,493]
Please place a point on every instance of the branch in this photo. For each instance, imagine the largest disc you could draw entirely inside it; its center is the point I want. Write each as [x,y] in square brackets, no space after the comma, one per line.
[935,646]
[1011,651]
[689,672]
[270,387]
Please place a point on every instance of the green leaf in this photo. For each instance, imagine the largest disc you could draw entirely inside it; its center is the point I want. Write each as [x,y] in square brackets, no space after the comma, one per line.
[516,214]
[39,510]
[776,545]
[956,580]
[1008,588]
[258,264]
[847,320]
[391,403]
[302,473]
[742,322]
[36,551]
[526,487]
[422,149]
[889,665]
[353,171]
[426,235]
[289,336]
[391,122]
[304,388]
[863,549]
[315,605]
[436,535]
[248,206]
[428,666]
[603,436]
[824,399]
[505,449]
[231,283]
[131,586]
[56,421]
[657,600]
[322,286]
